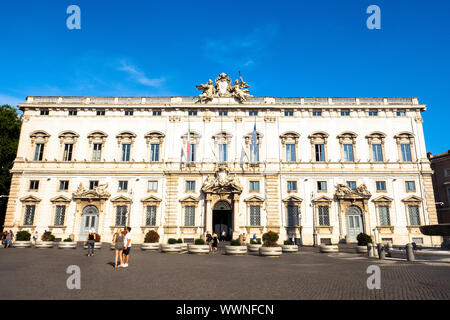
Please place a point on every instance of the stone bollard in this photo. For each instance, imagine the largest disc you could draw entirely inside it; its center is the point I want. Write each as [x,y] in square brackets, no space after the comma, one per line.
[409,252]
[374,251]
[381,252]
[369,250]
[390,248]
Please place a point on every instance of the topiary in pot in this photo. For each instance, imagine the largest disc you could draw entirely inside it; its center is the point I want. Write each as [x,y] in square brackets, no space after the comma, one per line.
[151,237]
[172,241]
[180,240]
[270,239]
[47,236]
[288,243]
[363,239]
[235,242]
[97,237]
[23,236]
[67,240]
[255,242]
[199,242]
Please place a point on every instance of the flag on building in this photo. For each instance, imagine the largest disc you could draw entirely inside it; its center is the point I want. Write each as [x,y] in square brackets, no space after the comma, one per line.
[254,146]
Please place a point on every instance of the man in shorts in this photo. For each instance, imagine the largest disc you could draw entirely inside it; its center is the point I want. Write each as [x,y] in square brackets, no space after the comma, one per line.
[126,247]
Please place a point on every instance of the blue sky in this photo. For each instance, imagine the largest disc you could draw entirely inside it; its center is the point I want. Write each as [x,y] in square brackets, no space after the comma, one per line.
[282,48]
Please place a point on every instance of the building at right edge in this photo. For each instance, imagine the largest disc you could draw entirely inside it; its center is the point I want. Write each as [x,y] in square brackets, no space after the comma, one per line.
[440,164]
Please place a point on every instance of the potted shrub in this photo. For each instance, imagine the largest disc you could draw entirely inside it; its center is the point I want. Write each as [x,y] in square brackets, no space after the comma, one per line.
[288,246]
[235,248]
[199,247]
[172,246]
[270,247]
[254,246]
[97,244]
[22,240]
[183,245]
[363,240]
[151,241]
[47,240]
[67,244]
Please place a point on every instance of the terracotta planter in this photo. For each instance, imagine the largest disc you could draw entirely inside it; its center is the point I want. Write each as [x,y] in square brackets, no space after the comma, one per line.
[44,244]
[97,245]
[198,248]
[254,247]
[236,250]
[270,251]
[67,245]
[21,244]
[329,248]
[361,249]
[289,248]
[171,248]
[150,246]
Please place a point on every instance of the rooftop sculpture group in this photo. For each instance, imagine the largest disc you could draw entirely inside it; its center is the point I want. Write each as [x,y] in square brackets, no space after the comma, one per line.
[224,89]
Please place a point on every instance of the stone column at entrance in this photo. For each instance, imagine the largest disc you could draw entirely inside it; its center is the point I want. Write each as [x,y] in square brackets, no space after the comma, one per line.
[208,215]
[236,229]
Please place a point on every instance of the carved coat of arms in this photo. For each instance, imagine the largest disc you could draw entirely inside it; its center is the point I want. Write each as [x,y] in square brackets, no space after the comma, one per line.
[224,89]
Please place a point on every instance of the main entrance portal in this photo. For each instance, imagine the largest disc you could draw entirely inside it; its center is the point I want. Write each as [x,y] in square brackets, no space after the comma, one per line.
[223,219]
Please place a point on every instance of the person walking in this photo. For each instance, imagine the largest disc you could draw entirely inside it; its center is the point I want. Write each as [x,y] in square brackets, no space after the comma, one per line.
[90,241]
[214,241]
[35,237]
[9,239]
[293,238]
[127,247]
[209,240]
[254,237]
[4,235]
[118,240]
[224,235]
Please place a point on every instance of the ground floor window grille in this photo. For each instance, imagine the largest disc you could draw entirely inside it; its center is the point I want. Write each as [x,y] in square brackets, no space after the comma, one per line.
[121,215]
[29,215]
[59,215]
[383,212]
[292,212]
[324,216]
[189,216]
[150,219]
[255,215]
[414,217]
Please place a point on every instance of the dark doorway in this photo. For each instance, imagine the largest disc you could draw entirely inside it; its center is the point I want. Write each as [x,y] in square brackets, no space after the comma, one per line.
[222,222]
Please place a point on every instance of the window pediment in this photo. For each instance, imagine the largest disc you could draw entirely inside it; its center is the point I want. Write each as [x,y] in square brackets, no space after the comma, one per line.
[254,199]
[293,200]
[150,199]
[289,137]
[121,199]
[60,199]
[347,137]
[30,199]
[382,199]
[154,137]
[414,199]
[39,135]
[97,136]
[322,199]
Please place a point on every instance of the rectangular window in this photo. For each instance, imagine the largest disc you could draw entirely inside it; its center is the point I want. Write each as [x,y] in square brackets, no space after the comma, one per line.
[68,148]
[192,112]
[93,184]
[156,112]
[401,113]
[121,215]
[320,151]
[417,240]
[381,185]
[153,185]
[377,153]
[351,185]
[34,184]
[321,186]
[292,216]
[64,185]
[406,152]
[129,112]
[292,185]
[126,151]
[289,113]
[223,113]
[150,216]
[383,213]
[189,216]
[410,186]
[324,216]
[290,152]
[123,185]
[154,152]
[101,112]
[348,152]
[253,113]
[190,185]
[254,185]
[373,113]
[254,154]
[192,152]
[29,215]
[97,152]
[60,212]
[223,152]
[317,113]
[345,113]
[44,112]
[414,216]
[255,215]
[72,112]
[38,152]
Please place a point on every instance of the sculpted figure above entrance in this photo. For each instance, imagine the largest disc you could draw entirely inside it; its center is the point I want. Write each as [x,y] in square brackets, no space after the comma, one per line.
[224,89]
[222,182]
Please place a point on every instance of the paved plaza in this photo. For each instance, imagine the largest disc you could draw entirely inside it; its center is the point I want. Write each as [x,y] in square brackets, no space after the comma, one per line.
[41,274]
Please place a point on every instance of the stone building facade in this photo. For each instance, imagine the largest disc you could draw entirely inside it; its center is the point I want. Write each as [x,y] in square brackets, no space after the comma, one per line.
[440,164]
[324,169]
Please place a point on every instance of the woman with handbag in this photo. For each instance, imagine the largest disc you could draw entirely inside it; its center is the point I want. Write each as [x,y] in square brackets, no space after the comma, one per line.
[118,246]
[90,241]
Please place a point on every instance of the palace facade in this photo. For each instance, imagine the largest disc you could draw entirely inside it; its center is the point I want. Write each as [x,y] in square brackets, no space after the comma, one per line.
[324,169]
